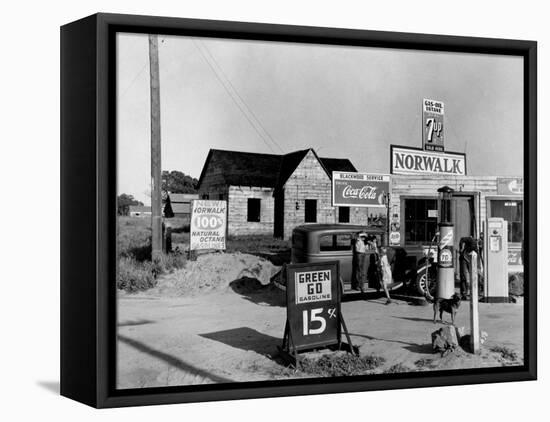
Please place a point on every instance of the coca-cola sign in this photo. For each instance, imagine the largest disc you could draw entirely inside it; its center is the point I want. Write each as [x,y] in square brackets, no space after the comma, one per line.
[359,189]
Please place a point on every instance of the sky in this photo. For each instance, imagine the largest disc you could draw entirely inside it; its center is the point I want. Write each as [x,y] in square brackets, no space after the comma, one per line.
[345,102]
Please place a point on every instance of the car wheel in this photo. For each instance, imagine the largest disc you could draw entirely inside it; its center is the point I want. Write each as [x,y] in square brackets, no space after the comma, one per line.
[424,284]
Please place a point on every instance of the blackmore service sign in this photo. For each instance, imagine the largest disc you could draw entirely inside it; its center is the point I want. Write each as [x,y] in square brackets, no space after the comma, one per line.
[208,224]
[359,189]
[416,161]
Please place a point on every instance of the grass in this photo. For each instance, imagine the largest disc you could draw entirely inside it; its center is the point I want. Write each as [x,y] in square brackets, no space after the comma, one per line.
[136,270]
[340,365]
[398,368]
[424,363]
[256,243]
[505,352]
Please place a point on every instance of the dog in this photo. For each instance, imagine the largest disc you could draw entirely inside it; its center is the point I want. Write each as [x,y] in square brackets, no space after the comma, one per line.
[445,305]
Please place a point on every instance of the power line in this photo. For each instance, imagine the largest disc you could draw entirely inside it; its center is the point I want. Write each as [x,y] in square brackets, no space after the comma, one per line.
[231,95]
[238,95]
[138,74]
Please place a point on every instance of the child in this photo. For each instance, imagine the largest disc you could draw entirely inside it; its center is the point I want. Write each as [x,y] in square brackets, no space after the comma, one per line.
[360,255]
[386,272]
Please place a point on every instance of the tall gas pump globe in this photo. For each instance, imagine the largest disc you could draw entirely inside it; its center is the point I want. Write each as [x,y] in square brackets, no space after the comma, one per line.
[445,264]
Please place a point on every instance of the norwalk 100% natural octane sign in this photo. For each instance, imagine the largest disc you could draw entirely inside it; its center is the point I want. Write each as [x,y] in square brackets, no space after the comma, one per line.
[208,224]
[313,305]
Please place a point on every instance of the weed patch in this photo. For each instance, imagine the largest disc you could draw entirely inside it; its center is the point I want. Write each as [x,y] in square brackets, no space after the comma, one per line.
[340,365]
[136,271]
[505,352]
[424,363]
[397,369]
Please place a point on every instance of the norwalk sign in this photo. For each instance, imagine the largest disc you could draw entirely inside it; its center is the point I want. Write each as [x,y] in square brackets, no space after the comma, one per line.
[416,161]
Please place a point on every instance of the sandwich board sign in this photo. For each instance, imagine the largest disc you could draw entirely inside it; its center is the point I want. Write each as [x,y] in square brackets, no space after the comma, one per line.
[314,319]
[208,225]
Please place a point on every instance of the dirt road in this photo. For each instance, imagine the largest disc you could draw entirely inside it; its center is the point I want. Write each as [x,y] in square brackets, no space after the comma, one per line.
[233,334]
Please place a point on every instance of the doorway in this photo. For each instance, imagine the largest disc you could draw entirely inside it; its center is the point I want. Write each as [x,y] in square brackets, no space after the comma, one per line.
[310,211]
[463,213]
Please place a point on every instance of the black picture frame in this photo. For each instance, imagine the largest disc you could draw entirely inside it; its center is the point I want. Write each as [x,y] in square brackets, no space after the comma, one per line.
[88,208]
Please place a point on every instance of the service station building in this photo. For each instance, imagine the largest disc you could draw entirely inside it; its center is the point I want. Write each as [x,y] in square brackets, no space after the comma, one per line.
[270,194]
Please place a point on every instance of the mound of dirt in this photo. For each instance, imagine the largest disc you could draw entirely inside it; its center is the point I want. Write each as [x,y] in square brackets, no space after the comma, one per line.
[215,272]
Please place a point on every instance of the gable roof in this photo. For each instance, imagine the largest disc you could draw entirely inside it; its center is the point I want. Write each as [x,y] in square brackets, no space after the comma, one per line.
[289,162]
[338,164]
[266,170]
[244,168]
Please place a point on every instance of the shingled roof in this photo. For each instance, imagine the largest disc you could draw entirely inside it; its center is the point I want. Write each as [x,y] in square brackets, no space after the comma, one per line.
[265,170]
[338,164]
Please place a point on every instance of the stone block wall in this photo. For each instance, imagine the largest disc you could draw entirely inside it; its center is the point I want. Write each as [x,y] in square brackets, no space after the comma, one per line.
[309,181]
[238,211]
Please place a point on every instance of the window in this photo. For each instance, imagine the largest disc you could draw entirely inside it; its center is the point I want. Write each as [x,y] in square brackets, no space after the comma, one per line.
[420,220]
[254,206]
[512,212]
[311,211]
[343,214]
[335,242]
[221,196]
[205,196]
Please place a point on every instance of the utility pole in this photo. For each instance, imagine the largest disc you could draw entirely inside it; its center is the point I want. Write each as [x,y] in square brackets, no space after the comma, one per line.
[474,307]
[156,198]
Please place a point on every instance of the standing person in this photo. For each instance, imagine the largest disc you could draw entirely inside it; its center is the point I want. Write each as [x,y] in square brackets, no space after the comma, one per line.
[466,246]
[386,273]
[380,268]
[360,252]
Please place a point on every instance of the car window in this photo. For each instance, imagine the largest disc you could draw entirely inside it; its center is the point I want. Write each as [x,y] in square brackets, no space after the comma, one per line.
[335,242]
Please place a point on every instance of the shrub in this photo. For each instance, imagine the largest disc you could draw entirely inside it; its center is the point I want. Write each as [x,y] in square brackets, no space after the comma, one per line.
[172,261]
[135,276]
[136,271]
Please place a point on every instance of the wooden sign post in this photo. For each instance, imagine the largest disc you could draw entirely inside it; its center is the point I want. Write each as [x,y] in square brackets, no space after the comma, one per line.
[474,306]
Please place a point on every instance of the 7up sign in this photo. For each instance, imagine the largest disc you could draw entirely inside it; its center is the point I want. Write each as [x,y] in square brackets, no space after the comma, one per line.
[433,114]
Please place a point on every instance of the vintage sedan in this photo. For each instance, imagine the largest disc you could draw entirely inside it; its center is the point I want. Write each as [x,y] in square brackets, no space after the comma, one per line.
[334,242]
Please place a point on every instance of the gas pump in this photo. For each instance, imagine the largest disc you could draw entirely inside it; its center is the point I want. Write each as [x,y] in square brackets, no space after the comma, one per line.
[445,265]
[497,260]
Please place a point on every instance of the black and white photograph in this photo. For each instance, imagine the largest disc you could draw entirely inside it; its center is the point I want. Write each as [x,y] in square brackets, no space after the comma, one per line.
[270,211]
[293,210]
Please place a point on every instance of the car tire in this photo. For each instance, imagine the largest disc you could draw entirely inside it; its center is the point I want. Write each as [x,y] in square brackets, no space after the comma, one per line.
[423,287]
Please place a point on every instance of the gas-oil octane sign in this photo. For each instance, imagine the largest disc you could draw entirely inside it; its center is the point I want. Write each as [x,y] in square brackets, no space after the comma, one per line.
[433,115]
[208,224]
[313,304]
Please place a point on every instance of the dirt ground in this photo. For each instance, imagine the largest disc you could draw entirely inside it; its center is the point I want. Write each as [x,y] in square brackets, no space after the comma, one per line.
[230,333]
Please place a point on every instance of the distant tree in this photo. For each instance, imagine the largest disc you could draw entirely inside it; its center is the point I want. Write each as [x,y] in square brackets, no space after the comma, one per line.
[177,182]
[123,203]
